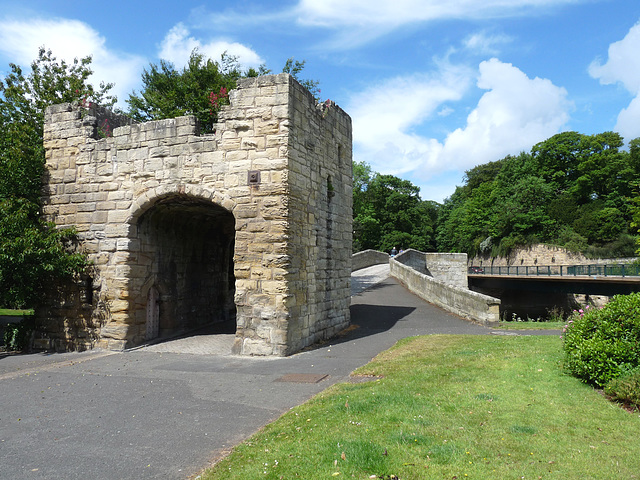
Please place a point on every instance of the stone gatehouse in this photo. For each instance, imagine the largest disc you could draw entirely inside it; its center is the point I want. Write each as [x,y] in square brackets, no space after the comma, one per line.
[249,225]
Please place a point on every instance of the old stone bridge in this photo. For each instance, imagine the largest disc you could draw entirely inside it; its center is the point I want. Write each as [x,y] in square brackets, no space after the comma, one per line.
[250,225]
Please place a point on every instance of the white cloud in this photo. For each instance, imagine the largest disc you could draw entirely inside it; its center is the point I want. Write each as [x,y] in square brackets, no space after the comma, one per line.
[515,113]
[360,21]
[357,22]
[177,46]
[628,124]
[623,66]
[330,13]
[485,43]
[385,115]
[69,39]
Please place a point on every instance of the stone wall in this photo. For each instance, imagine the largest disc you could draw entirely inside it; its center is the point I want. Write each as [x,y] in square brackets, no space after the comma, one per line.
[368,258]
[251,224]
[413,259]
[448,268]
[541,254]
[452,297]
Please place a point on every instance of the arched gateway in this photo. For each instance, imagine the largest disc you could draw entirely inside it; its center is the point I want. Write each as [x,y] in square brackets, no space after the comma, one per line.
[249,226]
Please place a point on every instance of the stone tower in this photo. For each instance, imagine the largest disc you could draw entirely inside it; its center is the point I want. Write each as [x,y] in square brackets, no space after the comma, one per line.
[251,223]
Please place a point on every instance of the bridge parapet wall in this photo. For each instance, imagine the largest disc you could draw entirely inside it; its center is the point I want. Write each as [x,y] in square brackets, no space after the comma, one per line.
[448,268]
[278,165]
[368,258]
[452,297]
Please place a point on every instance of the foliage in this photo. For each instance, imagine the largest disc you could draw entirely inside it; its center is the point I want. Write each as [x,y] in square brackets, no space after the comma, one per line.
[388,212]
[294,67]
[625,388]
[623,246]
[32,253]
[168,92]
[572,190]
[23,100]
[601,344]
[635,202]
[16,336]
[200,88]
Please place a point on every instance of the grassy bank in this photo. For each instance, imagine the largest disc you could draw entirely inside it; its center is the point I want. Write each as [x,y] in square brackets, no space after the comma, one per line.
[15,313]
[476,407]
[550,325]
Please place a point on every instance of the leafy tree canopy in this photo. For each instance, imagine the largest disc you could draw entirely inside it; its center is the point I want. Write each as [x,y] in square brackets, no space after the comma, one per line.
[572,190]
[198,89]
[388,212]
[168,92]
[33,253]
[294,67]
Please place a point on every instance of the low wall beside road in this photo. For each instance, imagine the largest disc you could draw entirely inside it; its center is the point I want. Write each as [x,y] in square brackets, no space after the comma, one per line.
[368,258]
[415,269]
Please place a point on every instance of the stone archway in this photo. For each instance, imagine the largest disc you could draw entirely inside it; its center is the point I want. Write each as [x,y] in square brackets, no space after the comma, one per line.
[181,254]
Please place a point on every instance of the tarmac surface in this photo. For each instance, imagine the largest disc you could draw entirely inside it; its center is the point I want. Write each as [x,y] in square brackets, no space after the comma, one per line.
[169,410]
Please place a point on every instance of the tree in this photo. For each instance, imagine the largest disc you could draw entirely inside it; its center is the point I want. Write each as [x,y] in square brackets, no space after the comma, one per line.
[365,227]
[572,190]
[465,220]
[294,67]
[22,104]
[388,212]
[199,89]
[33,253]
[169,93]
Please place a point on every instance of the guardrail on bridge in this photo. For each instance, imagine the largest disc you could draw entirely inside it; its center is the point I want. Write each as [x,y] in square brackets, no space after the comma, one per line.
[616,270]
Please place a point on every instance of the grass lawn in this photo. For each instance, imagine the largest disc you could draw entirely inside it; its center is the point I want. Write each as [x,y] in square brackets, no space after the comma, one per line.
[15,313]
[450,407]
[550,325]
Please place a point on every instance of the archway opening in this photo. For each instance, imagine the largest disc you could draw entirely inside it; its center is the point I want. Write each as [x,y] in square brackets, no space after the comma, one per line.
[184,267]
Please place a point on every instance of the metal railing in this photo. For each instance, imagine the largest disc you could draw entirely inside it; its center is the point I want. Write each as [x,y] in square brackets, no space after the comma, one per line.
[615,270]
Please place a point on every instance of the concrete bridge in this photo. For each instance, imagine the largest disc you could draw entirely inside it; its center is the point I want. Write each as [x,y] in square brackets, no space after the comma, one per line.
[581,284]
[538,289]
[440,279]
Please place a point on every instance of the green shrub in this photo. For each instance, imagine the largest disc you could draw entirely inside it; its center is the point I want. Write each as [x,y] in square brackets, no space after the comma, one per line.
[622,247]
[17,335]
[601,344]
[625,388]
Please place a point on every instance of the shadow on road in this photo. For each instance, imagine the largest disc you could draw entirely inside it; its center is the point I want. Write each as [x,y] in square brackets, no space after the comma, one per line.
[372,319]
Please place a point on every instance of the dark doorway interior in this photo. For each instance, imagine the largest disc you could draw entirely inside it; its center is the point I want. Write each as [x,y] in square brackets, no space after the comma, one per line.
[186,254]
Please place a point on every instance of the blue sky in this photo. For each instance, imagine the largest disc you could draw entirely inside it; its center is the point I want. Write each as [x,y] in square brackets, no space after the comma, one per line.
[434,87]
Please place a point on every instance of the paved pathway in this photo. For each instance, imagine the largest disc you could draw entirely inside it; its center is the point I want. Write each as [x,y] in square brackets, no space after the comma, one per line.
[205,343]
[169,410]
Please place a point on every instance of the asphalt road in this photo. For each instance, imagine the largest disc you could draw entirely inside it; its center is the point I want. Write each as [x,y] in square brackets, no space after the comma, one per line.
[158,412]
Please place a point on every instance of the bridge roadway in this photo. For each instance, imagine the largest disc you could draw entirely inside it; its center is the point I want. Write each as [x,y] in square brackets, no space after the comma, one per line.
[168,412]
